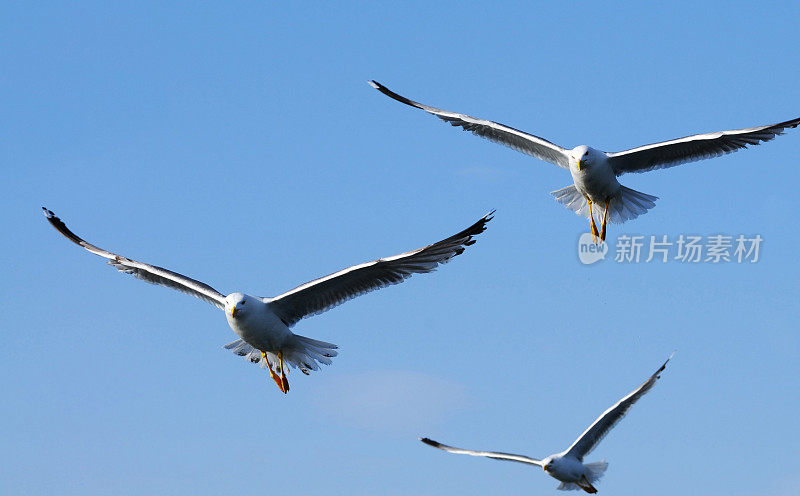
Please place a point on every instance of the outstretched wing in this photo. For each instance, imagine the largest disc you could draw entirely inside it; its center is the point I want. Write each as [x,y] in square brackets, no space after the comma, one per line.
[592,436]
[499,133]
[145,272]
[488,454]
[692,148]
[326,292]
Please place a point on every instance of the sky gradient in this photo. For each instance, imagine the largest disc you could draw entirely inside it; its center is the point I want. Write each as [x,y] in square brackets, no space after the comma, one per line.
[241,145]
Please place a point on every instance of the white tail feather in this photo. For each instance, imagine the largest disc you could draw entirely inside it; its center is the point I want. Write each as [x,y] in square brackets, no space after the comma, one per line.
[596,470]
[593,473]
[303,353]
[627,205]
[243,349]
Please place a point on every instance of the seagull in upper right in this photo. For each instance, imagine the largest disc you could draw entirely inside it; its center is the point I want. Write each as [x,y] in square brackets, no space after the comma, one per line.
[568,466]
[595,187]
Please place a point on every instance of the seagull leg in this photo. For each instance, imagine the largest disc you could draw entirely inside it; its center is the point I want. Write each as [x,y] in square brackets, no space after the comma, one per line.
[603,227]
[272,374]
[284,382]
[591,222]
[586,485]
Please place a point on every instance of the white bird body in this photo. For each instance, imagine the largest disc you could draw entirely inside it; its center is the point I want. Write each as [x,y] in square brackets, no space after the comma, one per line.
[573,473]
[564,468]
[594,178]
[256,323]
[595,189]
[263,324]
[568,466]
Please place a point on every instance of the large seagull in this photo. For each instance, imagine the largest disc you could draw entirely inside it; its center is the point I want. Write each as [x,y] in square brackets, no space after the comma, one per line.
[263,323]
[568,466]
[594,172]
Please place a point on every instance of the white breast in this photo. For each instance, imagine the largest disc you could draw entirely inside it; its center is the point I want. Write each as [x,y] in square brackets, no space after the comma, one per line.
[260,327]
[597,181]
[567,469]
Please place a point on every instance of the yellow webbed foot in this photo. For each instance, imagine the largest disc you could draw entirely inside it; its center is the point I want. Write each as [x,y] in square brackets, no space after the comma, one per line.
[278,380]
[592,225]
[586,485]
[603,226]
[284,385]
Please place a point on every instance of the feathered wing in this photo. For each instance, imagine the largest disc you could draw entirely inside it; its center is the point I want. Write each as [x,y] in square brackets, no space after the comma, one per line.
[143,271]
[326,292]
[692,148]
[499,133]
[592,436]
[488,454]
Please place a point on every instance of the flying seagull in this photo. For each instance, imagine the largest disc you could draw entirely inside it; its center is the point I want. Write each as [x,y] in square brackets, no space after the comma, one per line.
[568,466]
[594,172]
[263,323]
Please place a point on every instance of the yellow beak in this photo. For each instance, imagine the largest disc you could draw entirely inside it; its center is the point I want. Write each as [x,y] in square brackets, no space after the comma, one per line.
[233,311]
[579,164]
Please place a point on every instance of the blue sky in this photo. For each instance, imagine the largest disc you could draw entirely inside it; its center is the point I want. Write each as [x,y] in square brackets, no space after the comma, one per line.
[241,145]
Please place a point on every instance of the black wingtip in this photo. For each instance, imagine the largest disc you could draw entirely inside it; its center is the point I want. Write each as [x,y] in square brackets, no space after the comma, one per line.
[481,224]
[429,442]
[664,365]
[391,94]
[475,229]
[793,123]
[59,225]
[386,91]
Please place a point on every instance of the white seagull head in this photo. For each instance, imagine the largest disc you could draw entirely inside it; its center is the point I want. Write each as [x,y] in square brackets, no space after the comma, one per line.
[549,462]
[580,157]
[236,305]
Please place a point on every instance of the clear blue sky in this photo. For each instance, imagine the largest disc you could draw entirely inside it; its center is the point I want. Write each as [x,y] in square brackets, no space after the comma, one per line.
[241,145]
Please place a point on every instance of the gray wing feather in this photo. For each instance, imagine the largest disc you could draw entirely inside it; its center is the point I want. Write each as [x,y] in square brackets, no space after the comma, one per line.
[143,271]
[324,293]
[592,436]
[493,131]
[488,454]
[692,148]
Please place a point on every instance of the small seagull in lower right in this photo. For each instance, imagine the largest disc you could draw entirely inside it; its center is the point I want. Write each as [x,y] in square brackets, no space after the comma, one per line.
[568,466]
